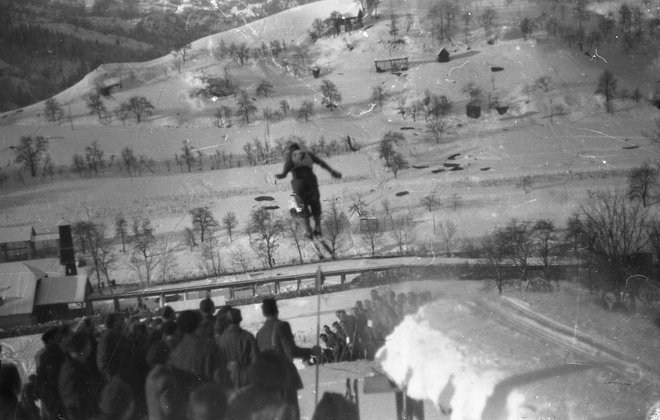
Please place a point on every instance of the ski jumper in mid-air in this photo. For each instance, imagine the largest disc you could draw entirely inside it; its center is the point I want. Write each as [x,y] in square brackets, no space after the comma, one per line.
[305,185]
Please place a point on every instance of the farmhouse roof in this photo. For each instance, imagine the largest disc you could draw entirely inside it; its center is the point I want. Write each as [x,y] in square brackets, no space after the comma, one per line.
[18,286]
[65,289]
[15,234]
[390,59]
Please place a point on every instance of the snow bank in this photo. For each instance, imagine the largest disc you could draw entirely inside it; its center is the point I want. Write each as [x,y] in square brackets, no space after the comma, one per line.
[433,366]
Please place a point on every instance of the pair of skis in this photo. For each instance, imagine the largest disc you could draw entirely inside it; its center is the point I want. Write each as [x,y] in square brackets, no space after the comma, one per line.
[322,248]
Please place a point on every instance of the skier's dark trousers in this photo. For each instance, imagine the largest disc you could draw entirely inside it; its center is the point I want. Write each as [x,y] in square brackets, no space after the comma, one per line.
[305,185]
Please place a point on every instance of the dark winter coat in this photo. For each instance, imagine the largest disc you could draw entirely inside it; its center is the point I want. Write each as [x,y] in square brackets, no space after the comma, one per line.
[239,349]
[195,359]
[165,399]
[276,335]
[49,364]
[110,352]
[11,409]
[80,389]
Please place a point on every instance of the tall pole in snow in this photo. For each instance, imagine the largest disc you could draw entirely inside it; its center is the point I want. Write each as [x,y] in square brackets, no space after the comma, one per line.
[319,285]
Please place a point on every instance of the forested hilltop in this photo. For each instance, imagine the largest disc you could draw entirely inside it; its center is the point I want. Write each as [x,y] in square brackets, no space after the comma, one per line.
[46,47]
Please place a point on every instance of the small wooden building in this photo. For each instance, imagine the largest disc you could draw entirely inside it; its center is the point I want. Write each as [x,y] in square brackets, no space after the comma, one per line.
[393,65]
[443,56]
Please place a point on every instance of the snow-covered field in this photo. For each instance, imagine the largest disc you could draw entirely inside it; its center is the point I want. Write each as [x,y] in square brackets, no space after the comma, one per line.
[582,148]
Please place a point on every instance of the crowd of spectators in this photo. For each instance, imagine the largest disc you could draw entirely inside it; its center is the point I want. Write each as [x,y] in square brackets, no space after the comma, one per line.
[360,333]
[199,365]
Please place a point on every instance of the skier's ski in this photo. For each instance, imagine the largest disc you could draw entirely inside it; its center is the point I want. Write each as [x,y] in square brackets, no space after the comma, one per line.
[324,244]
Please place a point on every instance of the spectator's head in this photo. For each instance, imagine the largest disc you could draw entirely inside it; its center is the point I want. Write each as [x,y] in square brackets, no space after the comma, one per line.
[207,307]
[50,337]
[355,312]
[10,379]
[64,334]
[79,347]
[117,400]
[269,307]
[221,322]
[188,321]
[324,338]
[326,329]
[401,298]
[294,146]
[207,402]
[114,321]
[367,305]
[359,305]
[335,406]
[374,294]
[168,313]
[234,316]
[335,325]
[158,353]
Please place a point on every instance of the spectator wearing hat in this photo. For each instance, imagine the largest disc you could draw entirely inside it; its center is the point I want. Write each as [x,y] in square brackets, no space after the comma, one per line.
[196,358]
[276,335]
[79,382]
[239,349]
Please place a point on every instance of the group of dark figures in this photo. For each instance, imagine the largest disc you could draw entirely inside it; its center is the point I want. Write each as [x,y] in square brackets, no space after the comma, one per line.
[194,366]
[361,333]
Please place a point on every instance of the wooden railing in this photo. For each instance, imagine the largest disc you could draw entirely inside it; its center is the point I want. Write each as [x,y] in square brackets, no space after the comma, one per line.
[231,286]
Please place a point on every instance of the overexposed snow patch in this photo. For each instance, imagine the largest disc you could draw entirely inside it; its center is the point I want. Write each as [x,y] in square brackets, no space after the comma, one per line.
[430,365]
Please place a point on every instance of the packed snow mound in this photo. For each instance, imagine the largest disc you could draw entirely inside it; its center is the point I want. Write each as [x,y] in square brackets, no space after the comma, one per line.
[430,365]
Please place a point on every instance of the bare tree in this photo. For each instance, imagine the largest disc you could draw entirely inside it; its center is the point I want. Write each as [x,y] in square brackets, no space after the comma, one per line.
[519,246]
[371,234]
[30,153]
[331,95]
[264,230]
[488,19]
[448,233]
[429,201]
[284,107]
[139,106]
[642,182]
[403,232]
[240,259]
[187,155]
[230,222]
[203,221]
[493,250]
[209,255]
[306,110]
[190,238]
[335,224]
[295,233]
[95,105]
[121,225]
[53,110]
[245,106]
[617,232]
[547,246]
[98,249]
[144,255]
[436,128]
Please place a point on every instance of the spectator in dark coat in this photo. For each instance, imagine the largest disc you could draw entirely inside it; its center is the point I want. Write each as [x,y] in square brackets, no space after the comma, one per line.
[334,344]
[10,386]
[80,384]
[112,347]
[164,396]
[349,324]
[117,402]
[195,359]
[343,350]
[239,349]
[29,396]
[276,335]
[207,325]
[221,323]
[207,402]
[266,397]
[49,362]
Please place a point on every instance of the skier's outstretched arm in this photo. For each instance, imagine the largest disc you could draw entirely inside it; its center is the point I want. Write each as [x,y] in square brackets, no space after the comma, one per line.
[288,165]
[322,164]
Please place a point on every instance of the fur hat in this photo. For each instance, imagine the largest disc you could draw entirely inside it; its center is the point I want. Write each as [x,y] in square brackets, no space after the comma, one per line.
[188,321]
[234,316]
